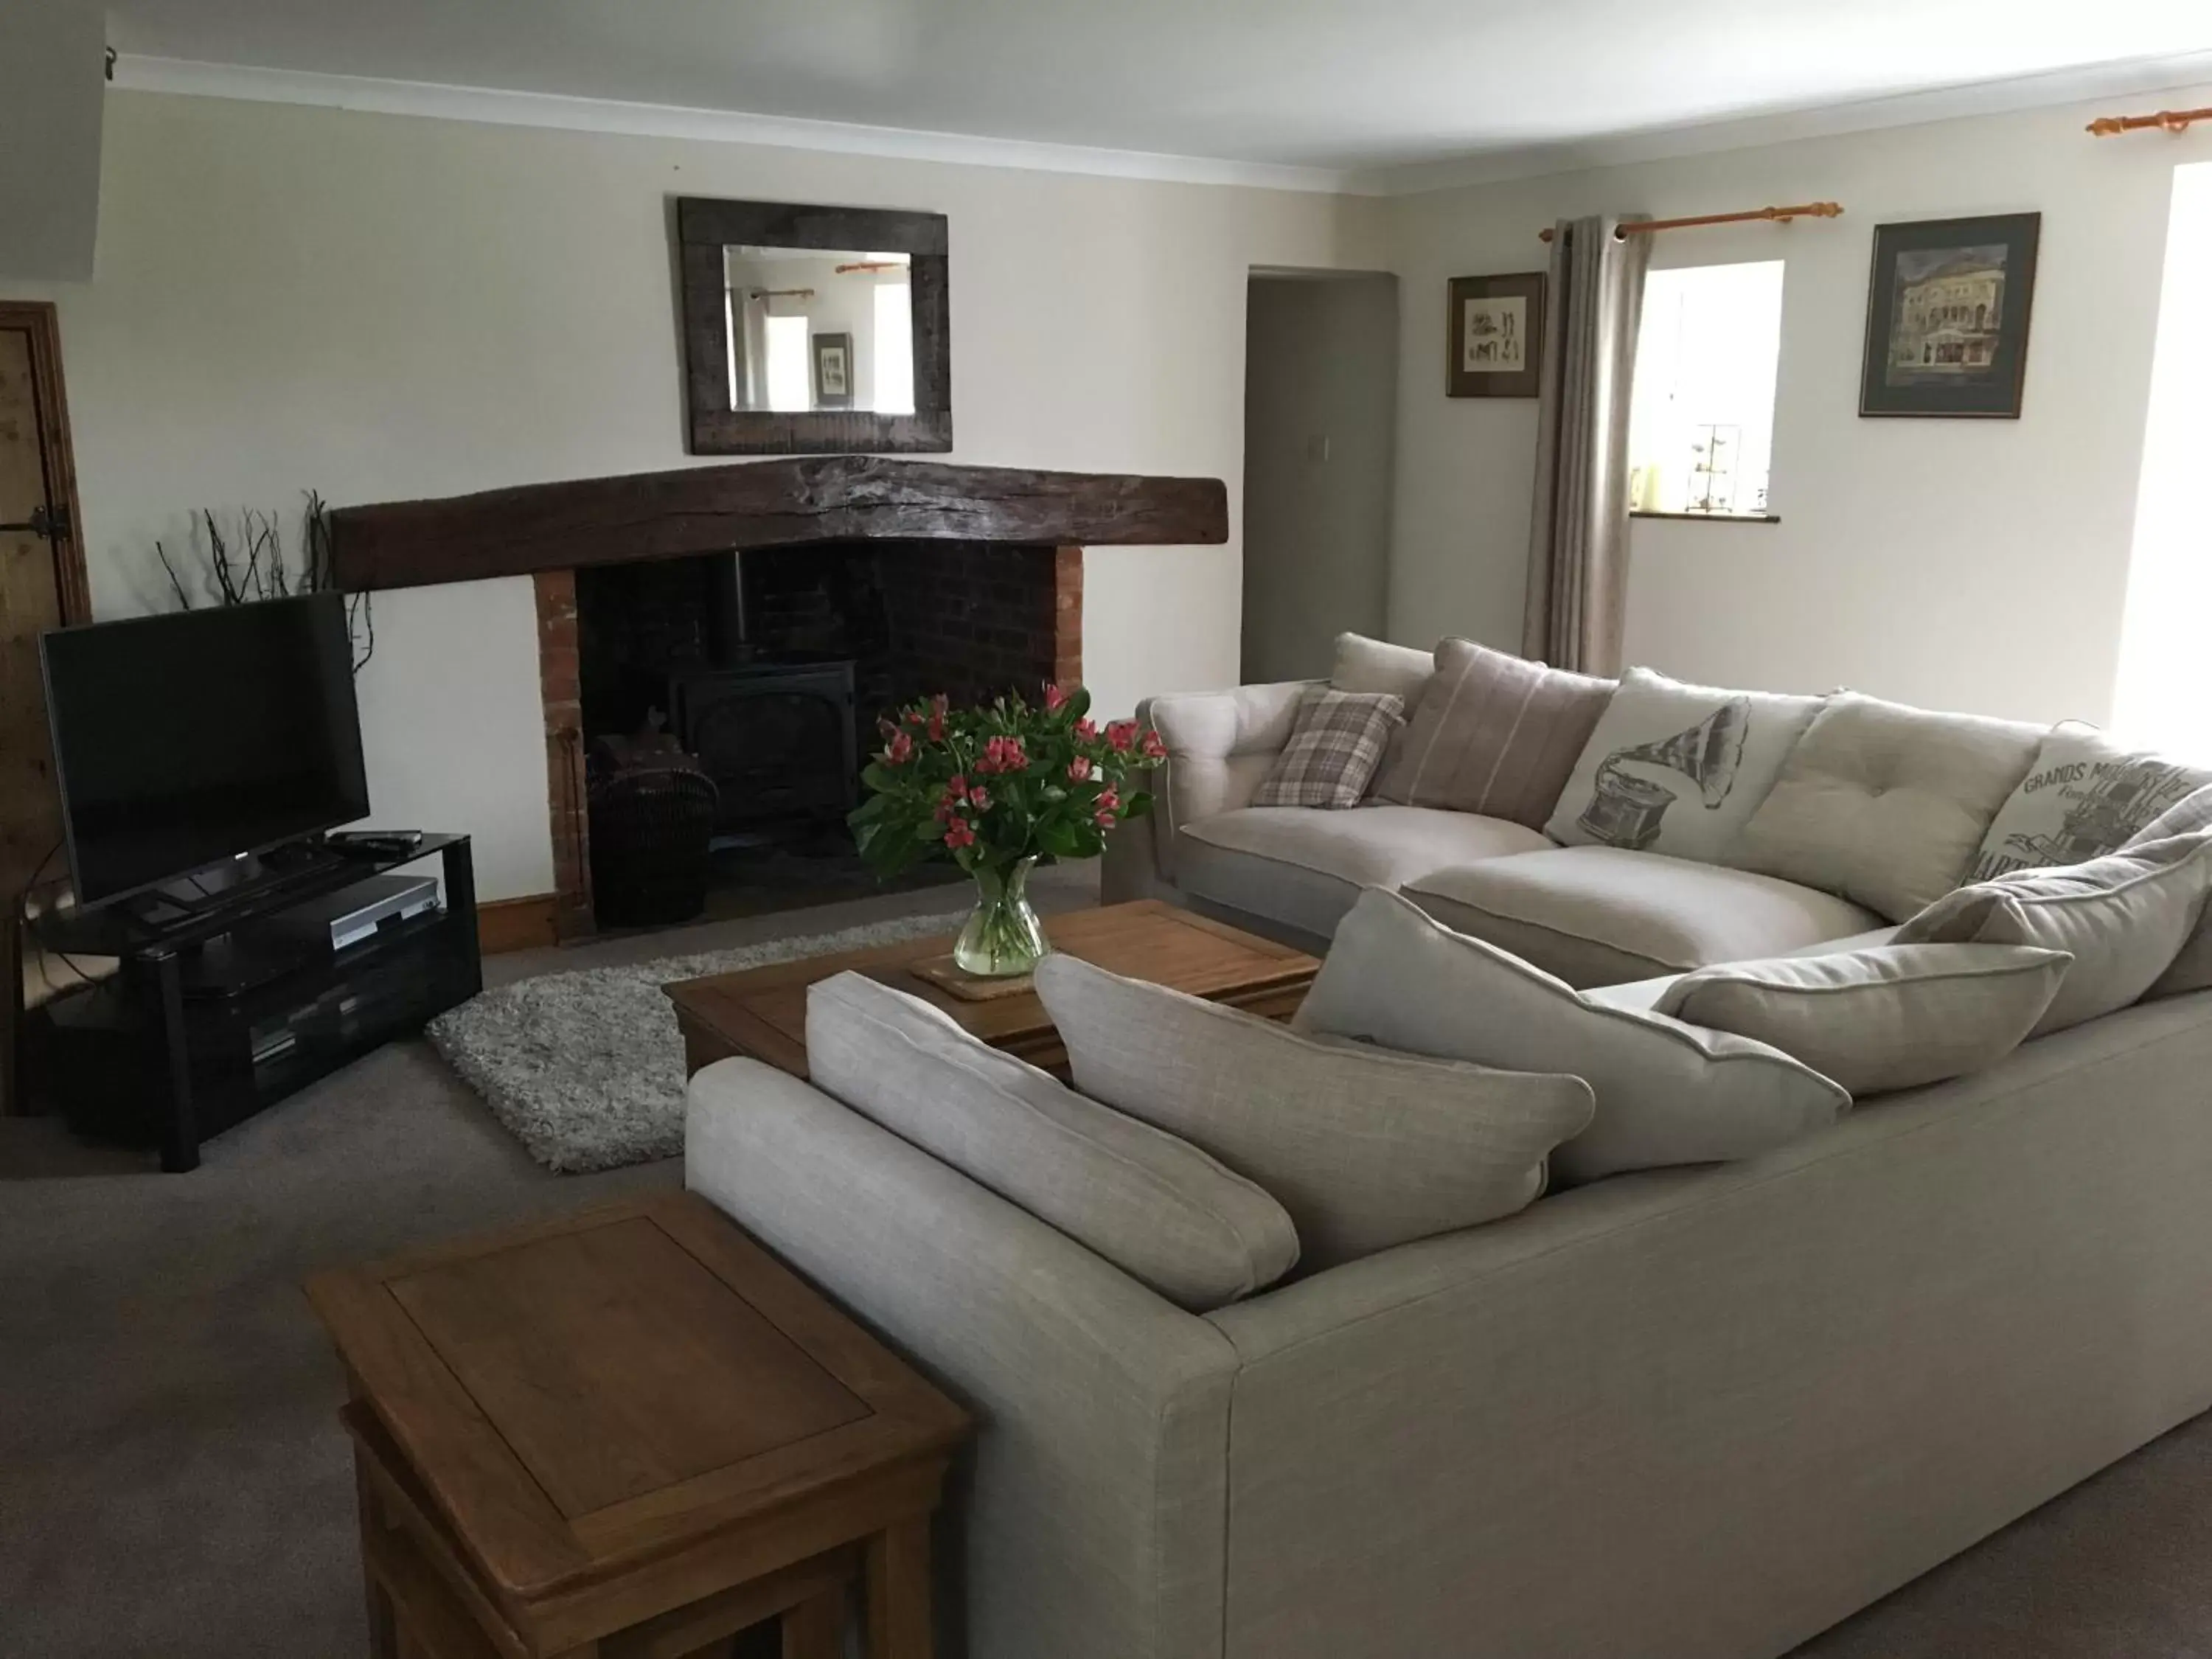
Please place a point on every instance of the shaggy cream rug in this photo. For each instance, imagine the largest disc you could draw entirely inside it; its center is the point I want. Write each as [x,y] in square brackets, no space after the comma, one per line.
[585,1069]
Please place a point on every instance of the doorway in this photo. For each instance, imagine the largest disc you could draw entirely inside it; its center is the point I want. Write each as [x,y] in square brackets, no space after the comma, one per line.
[1320,397]
[42,585]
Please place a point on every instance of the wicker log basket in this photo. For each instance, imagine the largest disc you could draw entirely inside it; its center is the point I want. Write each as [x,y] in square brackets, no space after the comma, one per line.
[649,840]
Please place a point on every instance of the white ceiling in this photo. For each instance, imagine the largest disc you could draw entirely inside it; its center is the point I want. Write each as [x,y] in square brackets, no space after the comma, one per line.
[1335,84]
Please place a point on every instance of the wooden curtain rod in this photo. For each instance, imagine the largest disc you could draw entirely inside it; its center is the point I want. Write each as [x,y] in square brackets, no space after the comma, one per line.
[1781,216]
[2171,120]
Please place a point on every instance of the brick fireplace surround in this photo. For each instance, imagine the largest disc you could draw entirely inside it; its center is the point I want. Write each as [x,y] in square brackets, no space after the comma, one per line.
[947,532]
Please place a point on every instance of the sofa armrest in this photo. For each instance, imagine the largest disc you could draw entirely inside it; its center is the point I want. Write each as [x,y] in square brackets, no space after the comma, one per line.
[1088,1520]
[1220,745]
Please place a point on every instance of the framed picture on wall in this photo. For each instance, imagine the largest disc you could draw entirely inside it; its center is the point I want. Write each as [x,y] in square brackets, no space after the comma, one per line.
[833,371]
[1494,344]
[1947,317]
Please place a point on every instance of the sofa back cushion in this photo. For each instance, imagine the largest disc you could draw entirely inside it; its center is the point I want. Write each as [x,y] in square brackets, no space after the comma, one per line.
[1156,1207]
[2084,797]
[1334,749]
[1366,1149]
[1366,664]
[1884,804]
[1677,768]
[1888,1018]
[1666,1092]
[1493,734]
[2192,968]
[2125,918]
[1402,670]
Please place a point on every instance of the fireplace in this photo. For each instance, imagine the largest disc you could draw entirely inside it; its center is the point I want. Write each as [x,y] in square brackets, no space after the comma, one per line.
[771,666]
[821,592]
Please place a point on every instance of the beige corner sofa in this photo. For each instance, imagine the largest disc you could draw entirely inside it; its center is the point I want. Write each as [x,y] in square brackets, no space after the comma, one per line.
[1686,1414]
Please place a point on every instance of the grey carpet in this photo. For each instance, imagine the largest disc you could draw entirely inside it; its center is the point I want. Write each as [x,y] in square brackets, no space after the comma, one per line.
[585,1068]
[173,1481]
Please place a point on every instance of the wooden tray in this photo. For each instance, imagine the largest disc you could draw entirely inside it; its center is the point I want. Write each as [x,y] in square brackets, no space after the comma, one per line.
[949,977]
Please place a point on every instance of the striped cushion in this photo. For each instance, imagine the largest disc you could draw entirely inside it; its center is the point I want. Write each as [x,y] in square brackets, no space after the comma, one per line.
[1334,749]
[1494,734]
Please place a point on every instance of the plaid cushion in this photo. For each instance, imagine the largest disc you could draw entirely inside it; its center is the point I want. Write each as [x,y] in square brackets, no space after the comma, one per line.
[1334,749]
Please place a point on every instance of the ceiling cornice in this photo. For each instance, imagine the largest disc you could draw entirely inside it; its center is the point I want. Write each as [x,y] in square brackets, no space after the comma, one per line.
[531,109]
[2134,77]
[2131,78]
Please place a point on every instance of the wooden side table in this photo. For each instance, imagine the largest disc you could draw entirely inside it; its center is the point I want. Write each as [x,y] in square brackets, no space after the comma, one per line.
[630,1434]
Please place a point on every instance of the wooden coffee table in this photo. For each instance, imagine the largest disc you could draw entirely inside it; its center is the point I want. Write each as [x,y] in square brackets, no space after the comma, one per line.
[761,1011]
[630,1434]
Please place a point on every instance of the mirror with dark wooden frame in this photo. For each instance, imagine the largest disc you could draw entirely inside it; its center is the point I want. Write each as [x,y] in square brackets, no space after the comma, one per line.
[814,330]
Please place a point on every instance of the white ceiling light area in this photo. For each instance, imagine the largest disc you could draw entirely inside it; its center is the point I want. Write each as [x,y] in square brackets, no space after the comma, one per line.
[1344,87]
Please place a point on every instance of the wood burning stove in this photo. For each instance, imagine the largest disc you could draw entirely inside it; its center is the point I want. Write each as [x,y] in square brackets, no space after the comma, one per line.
[778,739]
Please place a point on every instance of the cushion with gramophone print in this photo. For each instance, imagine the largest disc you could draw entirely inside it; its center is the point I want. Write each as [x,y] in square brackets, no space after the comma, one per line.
[2085,796]
[1677,768]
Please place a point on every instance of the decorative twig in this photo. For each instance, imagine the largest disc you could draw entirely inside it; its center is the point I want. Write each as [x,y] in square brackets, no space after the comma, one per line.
[183,599]
[364,605]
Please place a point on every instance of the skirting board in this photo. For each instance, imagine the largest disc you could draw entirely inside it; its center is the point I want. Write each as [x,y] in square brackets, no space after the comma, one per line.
[518,924]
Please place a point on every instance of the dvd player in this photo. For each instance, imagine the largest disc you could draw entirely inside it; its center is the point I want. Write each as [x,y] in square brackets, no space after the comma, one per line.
[333,921]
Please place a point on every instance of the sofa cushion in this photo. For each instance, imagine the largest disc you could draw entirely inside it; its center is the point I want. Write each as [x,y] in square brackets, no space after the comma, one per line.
[1892,1017]
[1366,1149]
[1334,749]
[2084,797]
[2191,969]
[1666,1092]
[1494,734]
[2125,918]
[1597,915]
[1156,1207]
[1305,868]
[1677,768]
[1403,670]
[1366,664]
[2192,813]
[1884,804]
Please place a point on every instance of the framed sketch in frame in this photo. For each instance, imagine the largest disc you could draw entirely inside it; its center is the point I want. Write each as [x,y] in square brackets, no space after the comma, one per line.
[833,371]
[1495,342]
[1947,317]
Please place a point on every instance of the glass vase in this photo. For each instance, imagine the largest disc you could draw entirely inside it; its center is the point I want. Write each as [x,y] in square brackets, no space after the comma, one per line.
[1003,936]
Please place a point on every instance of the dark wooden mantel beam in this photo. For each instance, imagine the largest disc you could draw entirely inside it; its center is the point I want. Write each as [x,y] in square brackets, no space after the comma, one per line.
[773,503]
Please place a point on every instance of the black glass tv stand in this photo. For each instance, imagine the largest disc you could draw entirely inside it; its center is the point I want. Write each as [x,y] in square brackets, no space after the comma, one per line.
[217,1011]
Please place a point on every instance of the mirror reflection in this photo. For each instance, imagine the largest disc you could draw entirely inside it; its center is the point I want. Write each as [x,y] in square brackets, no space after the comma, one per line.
[815,330]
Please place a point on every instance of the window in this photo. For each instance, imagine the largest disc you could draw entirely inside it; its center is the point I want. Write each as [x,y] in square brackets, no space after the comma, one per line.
[893,348]
[1701,417]
[2159,701]
[790,375]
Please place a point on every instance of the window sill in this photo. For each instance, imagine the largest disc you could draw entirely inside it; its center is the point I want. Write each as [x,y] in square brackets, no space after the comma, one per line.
[1710,518]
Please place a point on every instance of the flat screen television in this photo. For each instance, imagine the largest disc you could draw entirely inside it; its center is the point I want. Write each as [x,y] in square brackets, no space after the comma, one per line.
[186,739]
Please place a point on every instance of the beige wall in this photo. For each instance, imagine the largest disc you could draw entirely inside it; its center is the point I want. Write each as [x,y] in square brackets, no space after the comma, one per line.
[1968,564]
[386,307]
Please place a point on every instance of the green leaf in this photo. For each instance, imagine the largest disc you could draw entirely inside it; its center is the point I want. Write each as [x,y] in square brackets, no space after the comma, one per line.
[1138,805]
[1060,838]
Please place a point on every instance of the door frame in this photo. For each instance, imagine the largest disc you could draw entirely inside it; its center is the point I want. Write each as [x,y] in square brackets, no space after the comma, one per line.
[41,320]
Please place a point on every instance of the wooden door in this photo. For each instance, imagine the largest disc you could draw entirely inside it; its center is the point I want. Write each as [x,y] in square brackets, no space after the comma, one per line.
[42,585]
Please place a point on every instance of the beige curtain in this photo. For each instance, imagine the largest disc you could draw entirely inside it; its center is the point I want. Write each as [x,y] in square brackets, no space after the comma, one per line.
[1577,597]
